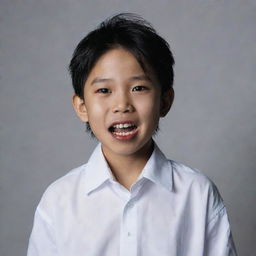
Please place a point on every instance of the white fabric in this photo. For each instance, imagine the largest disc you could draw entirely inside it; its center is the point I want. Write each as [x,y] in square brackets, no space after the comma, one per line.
[171,210]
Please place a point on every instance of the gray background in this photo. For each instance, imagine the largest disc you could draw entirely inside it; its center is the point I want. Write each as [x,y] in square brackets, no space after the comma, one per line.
[211,126]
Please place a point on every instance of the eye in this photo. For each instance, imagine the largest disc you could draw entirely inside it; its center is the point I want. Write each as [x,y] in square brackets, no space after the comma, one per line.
[139,88]
[103,90]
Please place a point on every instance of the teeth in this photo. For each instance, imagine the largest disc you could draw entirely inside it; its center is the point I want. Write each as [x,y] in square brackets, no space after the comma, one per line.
[123,133]
[121,126]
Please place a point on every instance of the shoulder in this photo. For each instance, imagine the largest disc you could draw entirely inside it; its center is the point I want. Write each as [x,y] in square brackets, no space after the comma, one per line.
[63,189]
[190,176]
[68,180]
[196,186]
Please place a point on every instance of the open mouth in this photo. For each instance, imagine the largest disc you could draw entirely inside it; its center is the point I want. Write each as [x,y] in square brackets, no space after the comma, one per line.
[123,129]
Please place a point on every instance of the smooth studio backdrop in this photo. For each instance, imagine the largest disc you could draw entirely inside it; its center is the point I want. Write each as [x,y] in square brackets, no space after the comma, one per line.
[211,127]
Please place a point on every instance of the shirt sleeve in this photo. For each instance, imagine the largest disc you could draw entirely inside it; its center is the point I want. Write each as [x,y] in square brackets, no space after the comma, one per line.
[219,239]
[42,239]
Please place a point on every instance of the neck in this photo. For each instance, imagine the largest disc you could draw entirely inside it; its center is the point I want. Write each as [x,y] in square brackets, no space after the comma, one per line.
[126,169]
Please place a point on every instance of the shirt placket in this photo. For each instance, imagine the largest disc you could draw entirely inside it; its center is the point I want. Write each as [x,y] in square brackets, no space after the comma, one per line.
[129,217]
[129,224]
[128,244]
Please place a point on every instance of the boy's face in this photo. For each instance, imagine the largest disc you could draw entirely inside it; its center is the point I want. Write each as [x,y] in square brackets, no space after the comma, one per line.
[122,104]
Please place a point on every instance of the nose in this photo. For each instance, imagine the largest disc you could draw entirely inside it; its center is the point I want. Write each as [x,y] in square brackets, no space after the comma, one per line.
[122,104]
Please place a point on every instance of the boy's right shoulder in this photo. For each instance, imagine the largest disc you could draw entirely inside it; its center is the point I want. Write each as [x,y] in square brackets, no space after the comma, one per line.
[64,187]
[69,178]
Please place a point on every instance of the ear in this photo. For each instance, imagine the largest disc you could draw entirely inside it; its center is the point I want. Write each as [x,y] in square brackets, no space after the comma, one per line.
[80,108]
[166,102]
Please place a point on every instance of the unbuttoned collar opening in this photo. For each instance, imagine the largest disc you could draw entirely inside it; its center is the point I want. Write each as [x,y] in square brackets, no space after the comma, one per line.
[158,169]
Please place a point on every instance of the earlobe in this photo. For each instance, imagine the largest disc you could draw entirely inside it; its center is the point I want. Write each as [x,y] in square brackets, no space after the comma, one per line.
[80,108]
[166,103]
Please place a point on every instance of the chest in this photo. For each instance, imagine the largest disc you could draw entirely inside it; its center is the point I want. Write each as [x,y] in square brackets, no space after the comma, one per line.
[156,224]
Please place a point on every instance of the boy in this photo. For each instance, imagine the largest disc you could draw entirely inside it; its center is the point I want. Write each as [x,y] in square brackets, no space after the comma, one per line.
[128,199]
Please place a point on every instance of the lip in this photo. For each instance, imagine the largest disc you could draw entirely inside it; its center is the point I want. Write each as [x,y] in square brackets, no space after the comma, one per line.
[127,137]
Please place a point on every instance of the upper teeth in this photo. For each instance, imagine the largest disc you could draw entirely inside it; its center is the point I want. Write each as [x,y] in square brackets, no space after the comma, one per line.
[120,126]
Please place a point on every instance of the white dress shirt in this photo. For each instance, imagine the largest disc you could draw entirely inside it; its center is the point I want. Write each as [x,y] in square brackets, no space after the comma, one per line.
[171,210]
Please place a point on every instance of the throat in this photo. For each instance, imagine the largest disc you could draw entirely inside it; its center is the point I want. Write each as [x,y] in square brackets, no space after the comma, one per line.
[127,176]
[126,169]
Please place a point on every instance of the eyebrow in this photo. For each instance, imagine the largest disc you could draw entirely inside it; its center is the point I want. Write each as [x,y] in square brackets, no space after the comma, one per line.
[133,78]
[100,80]
[140,78]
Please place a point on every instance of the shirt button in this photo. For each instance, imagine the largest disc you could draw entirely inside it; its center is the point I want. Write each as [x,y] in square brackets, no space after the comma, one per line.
[128,234]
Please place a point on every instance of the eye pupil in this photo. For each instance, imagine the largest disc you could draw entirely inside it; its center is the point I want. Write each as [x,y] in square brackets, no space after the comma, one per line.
[139,88]
[103,90]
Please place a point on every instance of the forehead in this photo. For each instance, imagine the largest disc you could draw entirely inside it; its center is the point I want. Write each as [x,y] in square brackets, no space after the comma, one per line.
[119,63]
[116,59]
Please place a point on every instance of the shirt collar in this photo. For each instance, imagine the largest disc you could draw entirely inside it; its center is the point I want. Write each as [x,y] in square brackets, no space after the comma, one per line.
[97,170]
[158,169]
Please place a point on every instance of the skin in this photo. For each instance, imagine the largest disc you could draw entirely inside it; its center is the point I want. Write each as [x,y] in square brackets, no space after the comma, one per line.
[117,89]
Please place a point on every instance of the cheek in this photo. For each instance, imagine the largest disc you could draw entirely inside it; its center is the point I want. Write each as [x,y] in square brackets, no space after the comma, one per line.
[95,108]
[150,110]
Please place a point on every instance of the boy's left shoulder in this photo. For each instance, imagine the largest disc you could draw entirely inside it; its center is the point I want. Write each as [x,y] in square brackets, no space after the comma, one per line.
[193,182]
[184,177]
[182,172]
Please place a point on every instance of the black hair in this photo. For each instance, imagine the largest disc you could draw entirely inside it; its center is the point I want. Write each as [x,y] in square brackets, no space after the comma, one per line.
[132,33]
